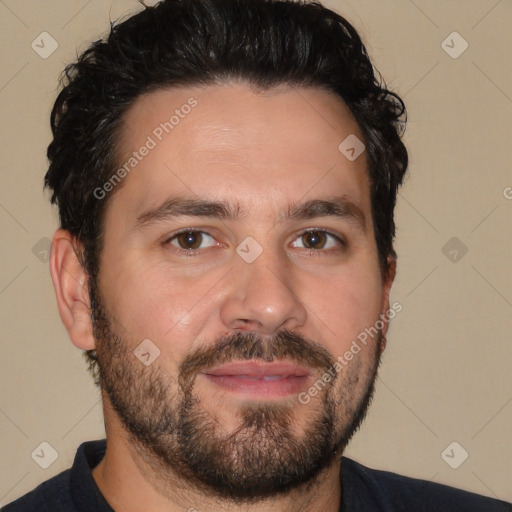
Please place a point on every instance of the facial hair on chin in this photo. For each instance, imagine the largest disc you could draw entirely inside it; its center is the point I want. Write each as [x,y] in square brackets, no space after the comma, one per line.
[263,457]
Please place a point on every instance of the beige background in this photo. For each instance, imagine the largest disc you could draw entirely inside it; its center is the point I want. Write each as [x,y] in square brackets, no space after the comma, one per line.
[446,373]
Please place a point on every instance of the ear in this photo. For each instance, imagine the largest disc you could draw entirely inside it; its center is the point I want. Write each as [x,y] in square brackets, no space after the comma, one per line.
[70,281]
[387,282]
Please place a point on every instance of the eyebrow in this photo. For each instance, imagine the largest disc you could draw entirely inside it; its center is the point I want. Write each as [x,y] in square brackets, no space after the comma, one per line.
[183,207]
[339,207]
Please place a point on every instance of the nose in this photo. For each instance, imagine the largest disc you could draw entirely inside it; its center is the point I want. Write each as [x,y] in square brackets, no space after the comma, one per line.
[263,298]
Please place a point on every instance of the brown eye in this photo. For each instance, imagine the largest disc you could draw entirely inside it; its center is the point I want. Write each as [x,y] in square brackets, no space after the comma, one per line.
[314,239]
[192,240]
[317,240]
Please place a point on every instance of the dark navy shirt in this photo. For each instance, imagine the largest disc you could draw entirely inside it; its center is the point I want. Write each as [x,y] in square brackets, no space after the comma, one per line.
[364,490]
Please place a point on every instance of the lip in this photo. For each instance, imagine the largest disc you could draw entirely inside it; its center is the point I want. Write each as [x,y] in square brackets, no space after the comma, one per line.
[278,378]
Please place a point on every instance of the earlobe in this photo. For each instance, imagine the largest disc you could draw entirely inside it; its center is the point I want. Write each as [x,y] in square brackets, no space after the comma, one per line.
[70,281]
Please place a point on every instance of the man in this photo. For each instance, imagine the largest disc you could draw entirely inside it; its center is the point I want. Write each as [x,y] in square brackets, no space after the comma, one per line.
[226,173]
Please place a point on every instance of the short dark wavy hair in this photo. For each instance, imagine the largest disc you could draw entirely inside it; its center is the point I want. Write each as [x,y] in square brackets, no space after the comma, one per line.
[265,43]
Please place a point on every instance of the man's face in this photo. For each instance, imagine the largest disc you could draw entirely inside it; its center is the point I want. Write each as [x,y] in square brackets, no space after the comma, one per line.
[242,246]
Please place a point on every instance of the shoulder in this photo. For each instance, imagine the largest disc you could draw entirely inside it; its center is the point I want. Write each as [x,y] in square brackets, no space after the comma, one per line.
[70,490]
[405,494]
[52,495]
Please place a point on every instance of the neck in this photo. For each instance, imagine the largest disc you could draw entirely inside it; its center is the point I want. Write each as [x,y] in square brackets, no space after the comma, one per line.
[131,480]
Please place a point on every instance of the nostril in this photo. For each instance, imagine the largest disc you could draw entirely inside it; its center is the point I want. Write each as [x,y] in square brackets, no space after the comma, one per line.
[245,324]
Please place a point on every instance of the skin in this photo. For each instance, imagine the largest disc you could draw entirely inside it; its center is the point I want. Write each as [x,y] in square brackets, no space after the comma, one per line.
[261,152]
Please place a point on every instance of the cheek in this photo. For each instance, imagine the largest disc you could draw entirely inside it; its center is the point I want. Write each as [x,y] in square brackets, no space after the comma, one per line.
[346,305]
[155,302]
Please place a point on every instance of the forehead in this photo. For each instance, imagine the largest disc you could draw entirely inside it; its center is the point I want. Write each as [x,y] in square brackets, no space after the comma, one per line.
[229,141]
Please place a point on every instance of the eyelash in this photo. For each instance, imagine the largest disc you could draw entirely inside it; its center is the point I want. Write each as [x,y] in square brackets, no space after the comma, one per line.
[311,252]
[187,252]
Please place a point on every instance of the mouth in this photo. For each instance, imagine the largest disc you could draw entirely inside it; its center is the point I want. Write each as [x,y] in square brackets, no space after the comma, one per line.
[259,378]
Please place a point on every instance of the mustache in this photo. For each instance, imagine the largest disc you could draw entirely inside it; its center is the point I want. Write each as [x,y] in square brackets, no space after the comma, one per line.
[249,346]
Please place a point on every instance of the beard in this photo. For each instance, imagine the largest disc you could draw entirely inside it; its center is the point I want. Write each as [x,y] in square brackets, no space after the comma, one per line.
[269,452]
